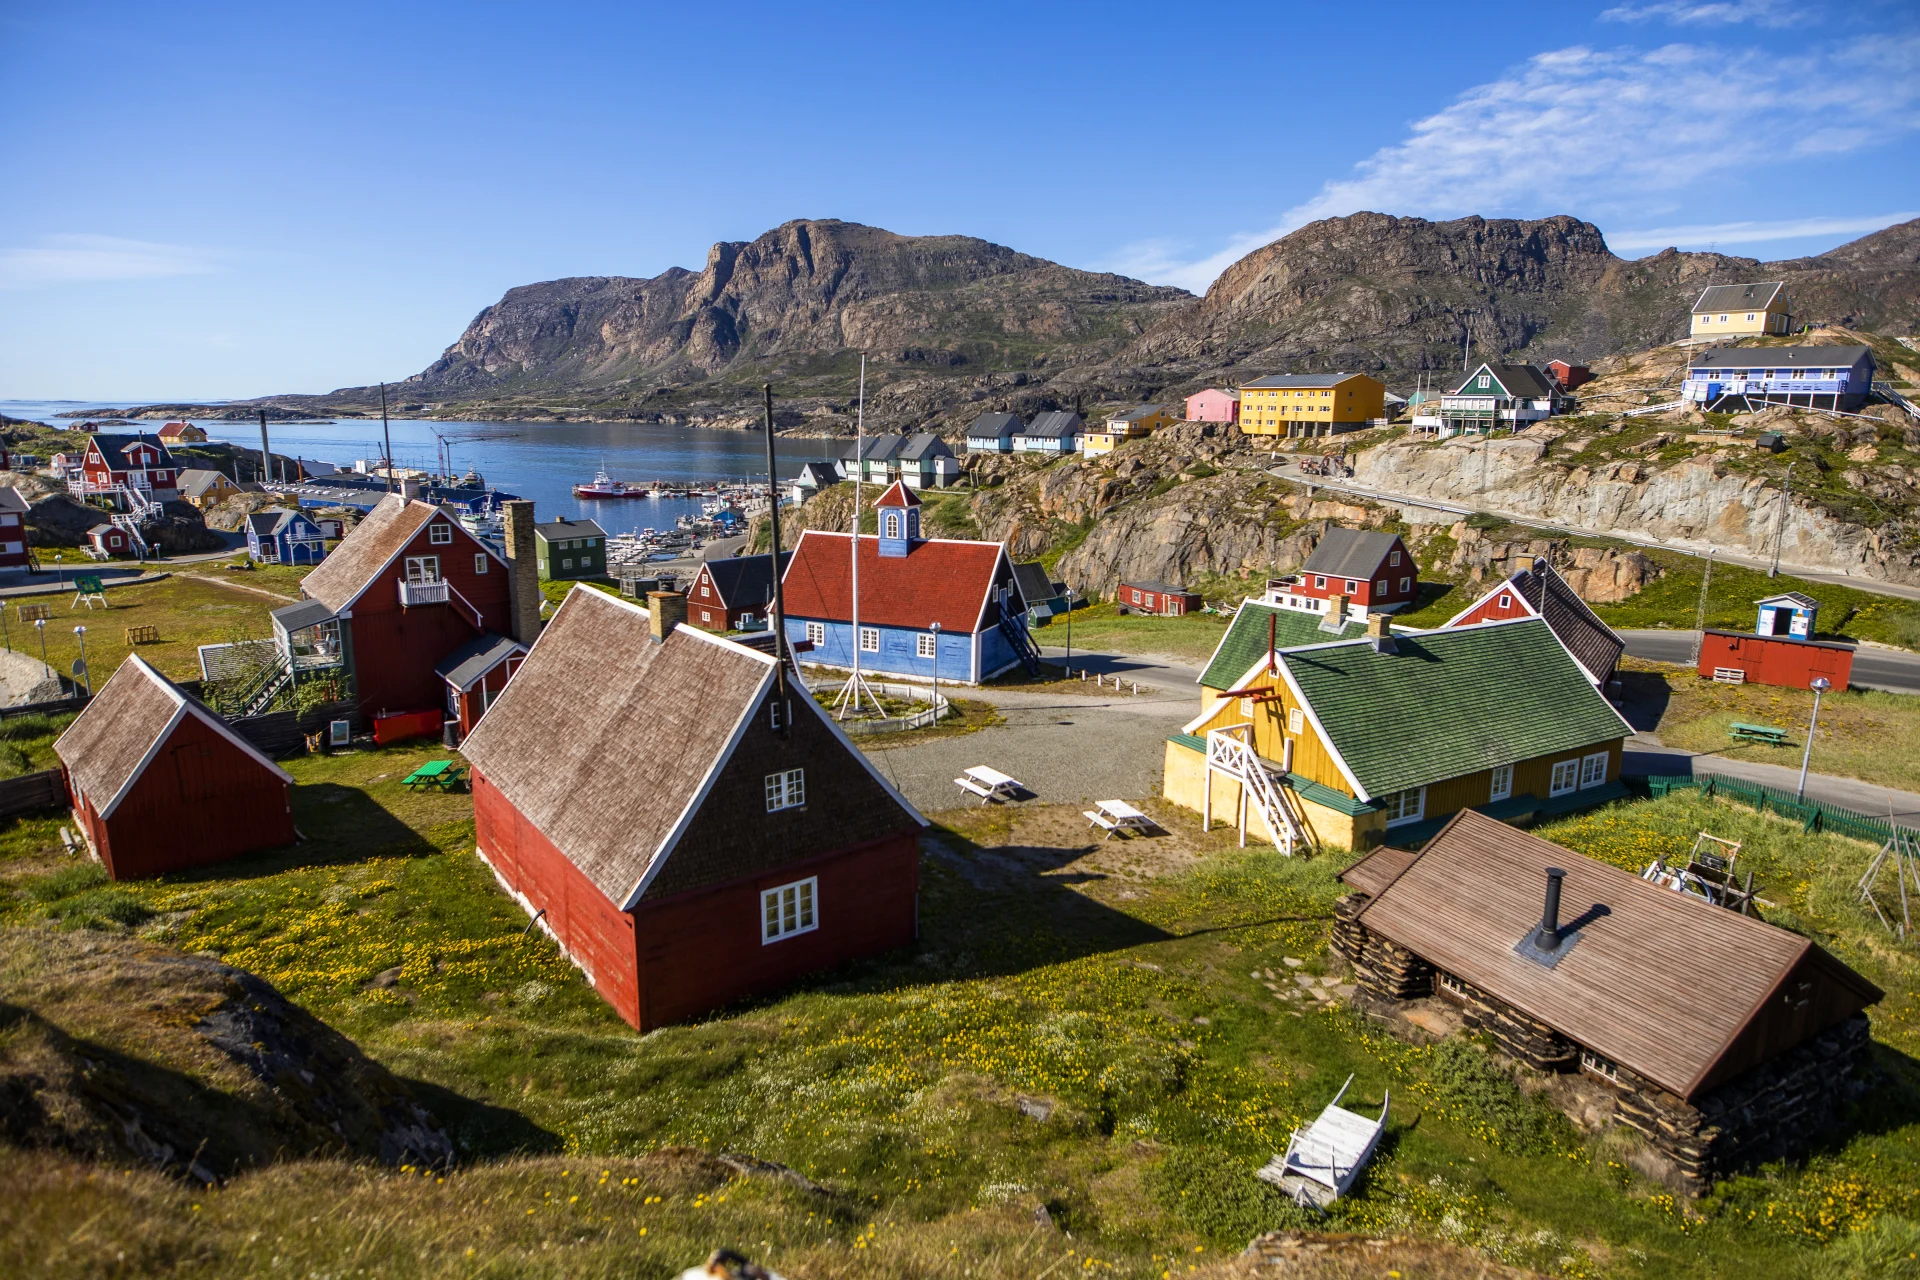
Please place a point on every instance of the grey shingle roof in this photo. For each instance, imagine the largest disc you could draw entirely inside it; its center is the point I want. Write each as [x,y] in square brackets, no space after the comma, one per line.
[878,448]
[1792,597]
[475,658]
[1522,381]
[1035,586]
[1736,297]
[1781,358]
[1350,553]
[1137,412]
[1298,380]
[818,474]
[1056,424]
[569,529]
[994,426]
[745,582]
[922,445]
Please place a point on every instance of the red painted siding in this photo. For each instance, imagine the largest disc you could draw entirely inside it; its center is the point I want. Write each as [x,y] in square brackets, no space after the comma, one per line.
[1402,582]
[12,535]
[1491,609]
[395,650]
[471,705]
[1776,660]
[199,800]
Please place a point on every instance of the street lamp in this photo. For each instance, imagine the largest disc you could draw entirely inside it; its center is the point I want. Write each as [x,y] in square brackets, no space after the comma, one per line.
[40,625]
[1820,685]
[1069,630]
[935,628]
[81,666]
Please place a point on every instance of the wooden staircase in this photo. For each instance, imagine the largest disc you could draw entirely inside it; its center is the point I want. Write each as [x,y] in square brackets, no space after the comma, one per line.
[1230,751]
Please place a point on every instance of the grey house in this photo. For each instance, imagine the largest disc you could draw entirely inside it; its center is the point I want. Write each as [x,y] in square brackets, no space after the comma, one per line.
[927,462]
[1054,433]
[993,433]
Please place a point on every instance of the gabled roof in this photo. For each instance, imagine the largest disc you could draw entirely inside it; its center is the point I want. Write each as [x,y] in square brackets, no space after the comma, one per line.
[1056,424]
[370,546]
[1737,297]
[569,529]
[1036,586]
[818,474]
[1448,703]
[1593,644]
[1350,553]
[877,448]
[994,426]
[475,658]
[113,449]
[574,766]
[1216,391]
[898,495]
[1137,412]
[1791,597]
[195,481]
[744,581]
[1246,639]
[1300,381]
[1161,588]
[1682,993]
[941,580]
[11,501]
[271,521]
[1781,358]
[924,444]
[1516,381]
[298,617]
[122,730]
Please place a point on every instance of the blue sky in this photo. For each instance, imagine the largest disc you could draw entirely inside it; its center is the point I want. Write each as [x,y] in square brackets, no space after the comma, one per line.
[206,200]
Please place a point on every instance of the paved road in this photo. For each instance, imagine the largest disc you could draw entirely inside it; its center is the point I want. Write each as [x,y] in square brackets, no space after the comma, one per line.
[1892,670]
[1289,471]
[1646,754]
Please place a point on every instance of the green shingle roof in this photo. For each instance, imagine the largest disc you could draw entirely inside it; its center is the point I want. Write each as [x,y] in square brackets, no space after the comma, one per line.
[1246,640]
[1451,702]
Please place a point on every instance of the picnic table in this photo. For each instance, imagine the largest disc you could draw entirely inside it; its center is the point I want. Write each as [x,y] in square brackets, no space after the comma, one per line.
[1113,816]
[444,774]
[988,784]
[1757,733]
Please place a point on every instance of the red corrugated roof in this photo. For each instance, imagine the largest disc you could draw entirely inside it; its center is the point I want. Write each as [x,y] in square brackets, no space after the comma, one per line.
[938,581]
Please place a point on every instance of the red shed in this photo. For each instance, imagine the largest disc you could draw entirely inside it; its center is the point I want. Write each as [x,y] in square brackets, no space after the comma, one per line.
[1569,375]
[686,833]
[476,673]
[160,782]
[1156,598]
[13,525]
[1745,658]
[408,587]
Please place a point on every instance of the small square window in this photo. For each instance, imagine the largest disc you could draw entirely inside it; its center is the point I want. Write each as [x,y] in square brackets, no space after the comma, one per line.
[1381,586]
[786,790]
[1352,586]
[1296,721]
[480,563]
[440,534]
[788,910]
[1506,601]
[1319,581]
[816,633]
[869,639]
[567,563]
[1452,986]
[1393,559]
[1405,806]
[1605,1068]
[923,646]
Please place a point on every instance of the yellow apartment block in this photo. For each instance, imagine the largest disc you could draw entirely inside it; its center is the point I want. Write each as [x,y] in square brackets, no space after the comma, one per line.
[1311,404]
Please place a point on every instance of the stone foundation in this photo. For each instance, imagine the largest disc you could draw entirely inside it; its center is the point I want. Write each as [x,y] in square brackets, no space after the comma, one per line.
[1776,1110]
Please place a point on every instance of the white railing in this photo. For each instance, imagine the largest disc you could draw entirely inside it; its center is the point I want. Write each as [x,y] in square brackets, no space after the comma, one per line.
[413,593]
[1229,753]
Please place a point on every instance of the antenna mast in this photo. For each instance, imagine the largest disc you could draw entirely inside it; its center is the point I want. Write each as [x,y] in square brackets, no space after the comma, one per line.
[848,701]
[386,435]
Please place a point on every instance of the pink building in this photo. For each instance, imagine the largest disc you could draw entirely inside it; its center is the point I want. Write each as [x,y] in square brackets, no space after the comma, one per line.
[1213,405]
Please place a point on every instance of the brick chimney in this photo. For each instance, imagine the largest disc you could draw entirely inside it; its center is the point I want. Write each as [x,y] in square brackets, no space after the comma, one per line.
[665,611]
[1380,633]
[1336,610]
[523,572]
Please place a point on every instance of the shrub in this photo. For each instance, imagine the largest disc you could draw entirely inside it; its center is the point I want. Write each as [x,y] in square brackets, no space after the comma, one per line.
[1889,1249]
[99,909]
[1467,1087]
[66,882]
[1217,1195]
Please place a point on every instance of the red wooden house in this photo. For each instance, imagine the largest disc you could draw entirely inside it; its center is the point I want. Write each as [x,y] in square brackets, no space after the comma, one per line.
[1156,598]
[1539,592]
[733,595]
[159,782]
[405,589]
[127,471]
[1568,374]
[13,529]
[1368,572]
[690,829]
[476,673]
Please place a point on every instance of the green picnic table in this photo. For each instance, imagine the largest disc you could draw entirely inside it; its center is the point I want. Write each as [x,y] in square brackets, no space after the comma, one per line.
[1757,733]
[444,774]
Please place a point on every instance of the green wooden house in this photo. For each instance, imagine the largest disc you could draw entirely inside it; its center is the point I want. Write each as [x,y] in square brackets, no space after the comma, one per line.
[567,549]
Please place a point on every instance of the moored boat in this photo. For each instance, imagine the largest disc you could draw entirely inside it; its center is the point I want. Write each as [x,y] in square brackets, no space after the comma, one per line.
[604,486]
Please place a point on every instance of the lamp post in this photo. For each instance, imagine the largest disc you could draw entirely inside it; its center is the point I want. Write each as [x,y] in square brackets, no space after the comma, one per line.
[1069,630]
[40,625]
[935,628]
[82,664]
[1820,685]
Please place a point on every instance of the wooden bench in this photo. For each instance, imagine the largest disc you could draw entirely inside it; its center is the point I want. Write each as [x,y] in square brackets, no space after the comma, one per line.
[147,634]
[1729,675]
[1101,821]
[35,612]
[1757,733]
[968,784]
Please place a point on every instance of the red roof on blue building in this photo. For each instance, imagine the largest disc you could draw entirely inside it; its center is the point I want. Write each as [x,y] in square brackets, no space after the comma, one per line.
[940,580]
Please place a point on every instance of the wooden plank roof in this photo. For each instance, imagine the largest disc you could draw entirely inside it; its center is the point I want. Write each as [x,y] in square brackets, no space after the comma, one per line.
[368,549]
[1659,982]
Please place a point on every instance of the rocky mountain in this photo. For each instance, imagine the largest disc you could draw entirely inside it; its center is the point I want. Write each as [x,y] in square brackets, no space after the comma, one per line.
[1396,295]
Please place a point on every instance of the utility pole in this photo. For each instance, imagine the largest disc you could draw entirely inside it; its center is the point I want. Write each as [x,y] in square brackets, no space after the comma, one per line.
[386,435]
[1700,611]
[266,455]
[1780,521]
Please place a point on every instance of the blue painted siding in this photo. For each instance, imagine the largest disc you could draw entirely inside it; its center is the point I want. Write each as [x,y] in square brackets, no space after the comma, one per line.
[898,654]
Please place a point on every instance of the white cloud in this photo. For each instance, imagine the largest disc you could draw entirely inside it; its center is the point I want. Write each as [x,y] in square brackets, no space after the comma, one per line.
[1759,13]
[1722,234]
[64,259]
[1611,135]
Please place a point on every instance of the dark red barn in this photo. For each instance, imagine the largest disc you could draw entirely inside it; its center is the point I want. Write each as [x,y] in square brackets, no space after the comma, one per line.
[1156,598]
[159,782]
[1743,658]
[407,587]
[689,834]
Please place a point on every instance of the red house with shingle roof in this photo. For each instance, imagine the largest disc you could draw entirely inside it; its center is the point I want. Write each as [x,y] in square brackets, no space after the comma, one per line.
[1538,592]
[159,782]
[693,829]
[1351,573]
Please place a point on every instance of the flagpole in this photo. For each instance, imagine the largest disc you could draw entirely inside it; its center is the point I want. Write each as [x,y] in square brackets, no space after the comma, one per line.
[849,700]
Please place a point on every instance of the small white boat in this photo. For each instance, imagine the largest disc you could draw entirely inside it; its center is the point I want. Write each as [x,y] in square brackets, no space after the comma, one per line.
[1323,1159]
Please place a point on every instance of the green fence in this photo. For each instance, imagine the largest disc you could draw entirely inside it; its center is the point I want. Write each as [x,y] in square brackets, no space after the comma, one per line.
[1812,815]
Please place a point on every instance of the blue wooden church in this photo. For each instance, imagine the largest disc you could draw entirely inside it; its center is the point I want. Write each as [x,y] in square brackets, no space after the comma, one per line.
[908,583]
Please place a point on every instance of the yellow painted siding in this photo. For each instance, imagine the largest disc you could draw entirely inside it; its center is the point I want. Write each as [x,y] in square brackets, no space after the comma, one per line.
[1310,757]
[1185,784]
[1345,406]
[1741,324]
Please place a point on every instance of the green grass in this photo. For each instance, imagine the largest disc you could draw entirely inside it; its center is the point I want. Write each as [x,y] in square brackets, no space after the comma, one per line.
[1102,628]
[1122,997]
[188,611]
[1845,612]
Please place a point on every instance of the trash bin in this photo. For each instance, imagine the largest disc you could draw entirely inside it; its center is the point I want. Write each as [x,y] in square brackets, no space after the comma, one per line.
[450,734]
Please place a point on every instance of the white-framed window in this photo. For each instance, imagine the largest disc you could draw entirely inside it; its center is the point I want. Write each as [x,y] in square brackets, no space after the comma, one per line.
[480,563]
[923,645]
[893,524]
[1593,770]
[1319,581]
[1296,720]
[1405,806]
[1483,383]
[776,714]
[816,633]
[1605,1068]
[786,790]
[1506,601]
[423,568]
[1381,586]
[788,910]
[1393,559]
[1749,315]
[593,542]
[439,534]
[1566,777]
[453,701]
[869,639]
[1723,319]
[567,563]
[1352,587]
[1406,584]
[706,592]
[706,615]
[1502,785]
[1452,986]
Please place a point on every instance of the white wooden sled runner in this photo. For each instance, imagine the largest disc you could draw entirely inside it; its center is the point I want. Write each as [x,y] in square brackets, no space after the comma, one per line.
[1324,1158]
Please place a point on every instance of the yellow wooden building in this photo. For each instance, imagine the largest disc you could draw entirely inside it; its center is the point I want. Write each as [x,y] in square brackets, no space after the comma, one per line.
[1355,742]
[1742,311]
[1311,404]
[1128,424]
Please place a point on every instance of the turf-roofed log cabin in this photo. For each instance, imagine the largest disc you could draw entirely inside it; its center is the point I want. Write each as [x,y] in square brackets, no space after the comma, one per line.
[1350,743]
[159,782]
[406,588]
[1724,1041]
[697,830]
[1536,591]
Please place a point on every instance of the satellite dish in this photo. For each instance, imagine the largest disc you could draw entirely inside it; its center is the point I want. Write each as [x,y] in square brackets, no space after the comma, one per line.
[80,666]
